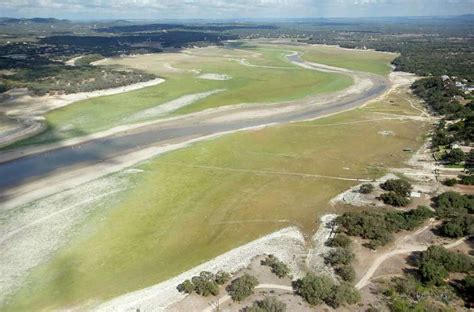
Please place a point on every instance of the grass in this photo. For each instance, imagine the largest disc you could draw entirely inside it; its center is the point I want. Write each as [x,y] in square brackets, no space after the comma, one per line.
[367,61]
[194,204]
[248,85]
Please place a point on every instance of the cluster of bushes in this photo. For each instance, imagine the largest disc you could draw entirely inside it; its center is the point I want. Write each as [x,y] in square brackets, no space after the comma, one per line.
[88,59]
[398,192]
[378,227]
[366,188]
[452,204]
[205,284]
[268,304]
[436,263]
[341,256]
[456,211]
[242,287]
[321,289]
[279,268]
[67,79]
[409,294]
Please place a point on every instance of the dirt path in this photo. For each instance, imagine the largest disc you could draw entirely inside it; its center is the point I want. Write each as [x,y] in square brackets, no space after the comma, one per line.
[226,298]
[402,246]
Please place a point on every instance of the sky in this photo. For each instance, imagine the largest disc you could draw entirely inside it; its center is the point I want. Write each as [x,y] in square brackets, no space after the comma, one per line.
[225,9]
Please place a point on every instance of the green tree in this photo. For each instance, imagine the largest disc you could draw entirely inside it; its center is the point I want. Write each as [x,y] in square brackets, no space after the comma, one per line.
[341,294]
[394,199]
[339,256]
[340,240]
[222,277]
[186,287]
[279,268]
[268,304]
[398,186]
[242,287]
[205,284]
[314,289]
[366,188]
[455,156]
[433,273]
[346,272]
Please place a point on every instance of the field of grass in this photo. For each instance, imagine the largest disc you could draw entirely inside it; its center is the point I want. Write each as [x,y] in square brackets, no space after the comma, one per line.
[368,61]
[282,82]
[193,204]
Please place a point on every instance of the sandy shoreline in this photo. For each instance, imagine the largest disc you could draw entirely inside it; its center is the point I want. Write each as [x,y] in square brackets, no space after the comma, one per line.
[287,244]
[19,105]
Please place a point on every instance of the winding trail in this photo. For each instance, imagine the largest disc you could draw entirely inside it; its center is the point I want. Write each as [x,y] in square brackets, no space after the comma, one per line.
[32,173]
[402,246]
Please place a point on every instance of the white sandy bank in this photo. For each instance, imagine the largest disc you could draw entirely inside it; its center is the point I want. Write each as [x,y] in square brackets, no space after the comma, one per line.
[283,244]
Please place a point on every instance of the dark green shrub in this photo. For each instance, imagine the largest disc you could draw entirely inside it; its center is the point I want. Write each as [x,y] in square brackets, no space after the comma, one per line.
[455,156]
[398,186]
[279,268]
[340,240]
[451,204]
[242,287]
[346,272]
[222,277]
[314,289]
[466,179]
[205,284]
[269,304]
[366,188]
[186,287]
[450,182]
[339,256]
[394,199]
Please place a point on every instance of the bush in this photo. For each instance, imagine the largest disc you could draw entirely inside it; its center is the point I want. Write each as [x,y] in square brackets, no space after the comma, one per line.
[450,182]
[279,268]
[343,294]
[433,273]
[462,225]
[186,287]
[339,256]
[346,272]
[269,304]
[314,289]
[451,204]
[222,277]
[366,188]
[394,199]
[466,179]
[340,240]
[398,186]
[450,261]
[242,287]
[205,284]
[455,156]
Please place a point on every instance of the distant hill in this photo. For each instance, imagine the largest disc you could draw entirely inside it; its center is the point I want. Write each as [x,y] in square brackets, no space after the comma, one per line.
[38,20]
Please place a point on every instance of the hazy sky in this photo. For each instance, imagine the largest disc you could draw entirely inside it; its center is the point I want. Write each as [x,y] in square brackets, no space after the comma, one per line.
[139,9]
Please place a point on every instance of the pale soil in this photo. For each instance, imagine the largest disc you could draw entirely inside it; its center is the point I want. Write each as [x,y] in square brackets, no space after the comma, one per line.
[31,233]
[283,244]
[72,62]
[404,245]
[28,110]
[353,197]
[288,245]
[214,77]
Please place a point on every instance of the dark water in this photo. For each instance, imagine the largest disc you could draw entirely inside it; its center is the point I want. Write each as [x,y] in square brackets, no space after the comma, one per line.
[18,171]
